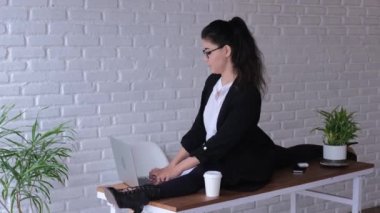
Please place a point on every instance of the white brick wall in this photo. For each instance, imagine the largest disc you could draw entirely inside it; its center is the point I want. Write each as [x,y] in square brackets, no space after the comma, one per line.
[135,69]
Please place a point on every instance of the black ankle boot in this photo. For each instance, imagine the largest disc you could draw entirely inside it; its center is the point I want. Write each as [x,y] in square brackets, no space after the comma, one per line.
[133,197]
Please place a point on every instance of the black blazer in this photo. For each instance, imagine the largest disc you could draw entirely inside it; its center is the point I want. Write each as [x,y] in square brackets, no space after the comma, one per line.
[240,148]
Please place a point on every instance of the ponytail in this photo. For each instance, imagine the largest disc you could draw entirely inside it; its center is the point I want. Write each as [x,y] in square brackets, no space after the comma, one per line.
[246,56]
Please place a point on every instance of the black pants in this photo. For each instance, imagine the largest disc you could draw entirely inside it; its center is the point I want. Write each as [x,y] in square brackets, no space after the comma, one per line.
[299,153]
[186,184]
[192,182]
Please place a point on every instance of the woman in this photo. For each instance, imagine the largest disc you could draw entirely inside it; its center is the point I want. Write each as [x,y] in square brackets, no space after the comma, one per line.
[225,135]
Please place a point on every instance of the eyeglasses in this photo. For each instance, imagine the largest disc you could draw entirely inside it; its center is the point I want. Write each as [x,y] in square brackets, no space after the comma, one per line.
[207,53]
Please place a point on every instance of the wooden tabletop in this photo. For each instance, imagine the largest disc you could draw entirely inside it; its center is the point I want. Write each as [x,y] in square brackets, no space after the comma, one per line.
[283,178]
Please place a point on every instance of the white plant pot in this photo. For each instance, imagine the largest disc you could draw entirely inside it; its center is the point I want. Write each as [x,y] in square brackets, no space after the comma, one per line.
[334,152]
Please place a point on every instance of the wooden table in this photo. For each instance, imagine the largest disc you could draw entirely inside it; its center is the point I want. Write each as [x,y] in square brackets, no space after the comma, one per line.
[283,182]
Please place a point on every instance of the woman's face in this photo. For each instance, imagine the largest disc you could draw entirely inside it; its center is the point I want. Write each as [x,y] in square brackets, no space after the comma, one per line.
[215,56]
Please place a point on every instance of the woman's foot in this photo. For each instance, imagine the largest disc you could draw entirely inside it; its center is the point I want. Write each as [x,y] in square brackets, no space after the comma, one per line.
[133,197]
[110,197]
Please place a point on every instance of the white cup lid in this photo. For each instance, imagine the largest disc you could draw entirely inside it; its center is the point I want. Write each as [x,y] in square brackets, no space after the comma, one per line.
[212,174]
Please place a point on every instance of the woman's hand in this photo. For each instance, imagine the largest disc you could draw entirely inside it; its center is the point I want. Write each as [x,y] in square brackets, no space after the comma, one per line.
[171,171]
[158,176]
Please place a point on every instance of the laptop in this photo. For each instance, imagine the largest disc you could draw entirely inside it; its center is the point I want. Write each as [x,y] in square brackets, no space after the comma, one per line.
[125,163]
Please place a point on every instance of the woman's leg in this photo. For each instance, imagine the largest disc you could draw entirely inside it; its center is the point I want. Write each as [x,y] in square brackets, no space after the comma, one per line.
[305,152]
[298,153]
[282,157]
[136,197]
[183,185]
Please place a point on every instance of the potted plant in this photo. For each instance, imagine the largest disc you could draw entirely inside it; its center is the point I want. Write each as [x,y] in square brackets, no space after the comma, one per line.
[339,130]
[30,160]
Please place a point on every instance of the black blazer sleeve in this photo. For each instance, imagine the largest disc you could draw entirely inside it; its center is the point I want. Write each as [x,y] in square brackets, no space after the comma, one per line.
[237,120]
[196,136]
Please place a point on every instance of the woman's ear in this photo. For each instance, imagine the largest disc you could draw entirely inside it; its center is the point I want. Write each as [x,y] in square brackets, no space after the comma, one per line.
[227,50]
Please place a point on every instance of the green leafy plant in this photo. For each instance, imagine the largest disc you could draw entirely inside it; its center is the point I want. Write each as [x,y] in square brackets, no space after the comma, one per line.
[339,126]
[30,160]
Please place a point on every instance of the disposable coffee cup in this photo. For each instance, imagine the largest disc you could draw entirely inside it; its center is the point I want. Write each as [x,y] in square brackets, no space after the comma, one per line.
[212,183]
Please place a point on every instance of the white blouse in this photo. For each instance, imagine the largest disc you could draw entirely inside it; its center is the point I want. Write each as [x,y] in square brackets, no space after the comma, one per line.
[212,109]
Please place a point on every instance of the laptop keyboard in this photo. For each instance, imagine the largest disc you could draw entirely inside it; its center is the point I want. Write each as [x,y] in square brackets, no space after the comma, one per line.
[143,180]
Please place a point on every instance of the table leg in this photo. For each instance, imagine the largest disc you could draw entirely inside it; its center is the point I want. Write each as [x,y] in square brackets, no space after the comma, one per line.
[293,202]
[356,194]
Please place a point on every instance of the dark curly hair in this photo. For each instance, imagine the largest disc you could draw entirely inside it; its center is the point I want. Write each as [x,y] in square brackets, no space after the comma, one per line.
[246,56]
